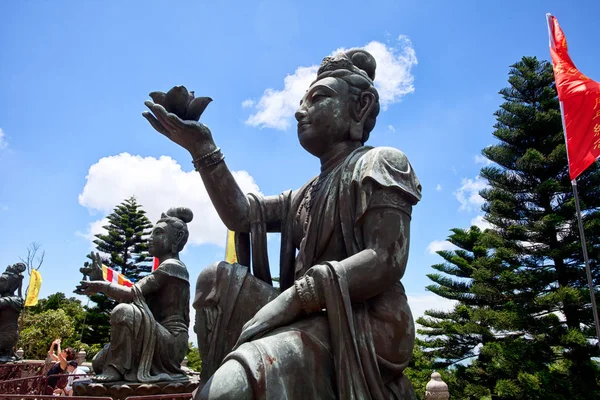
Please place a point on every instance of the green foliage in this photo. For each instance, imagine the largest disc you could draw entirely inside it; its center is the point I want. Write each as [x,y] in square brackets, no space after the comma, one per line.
[39,330]
[523,326]
[194,360]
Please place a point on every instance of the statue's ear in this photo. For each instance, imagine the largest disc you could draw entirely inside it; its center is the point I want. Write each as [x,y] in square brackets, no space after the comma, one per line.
[177,241]
[361,110]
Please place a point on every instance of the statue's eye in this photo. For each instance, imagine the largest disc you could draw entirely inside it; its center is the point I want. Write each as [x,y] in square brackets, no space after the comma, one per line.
[318,97]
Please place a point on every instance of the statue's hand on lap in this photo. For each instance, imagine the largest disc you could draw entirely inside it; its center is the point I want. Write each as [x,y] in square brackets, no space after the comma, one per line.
[281,311]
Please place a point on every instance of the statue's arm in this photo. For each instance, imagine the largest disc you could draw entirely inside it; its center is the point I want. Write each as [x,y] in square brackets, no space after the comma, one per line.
[148,284]
[10,301]
[224,192]
[122,294]
[386,235]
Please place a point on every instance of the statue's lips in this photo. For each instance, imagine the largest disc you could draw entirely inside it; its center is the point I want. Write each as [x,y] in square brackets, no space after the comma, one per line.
[303,124]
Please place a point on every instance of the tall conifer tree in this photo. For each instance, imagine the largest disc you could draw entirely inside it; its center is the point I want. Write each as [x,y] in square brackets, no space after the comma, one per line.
[523,313]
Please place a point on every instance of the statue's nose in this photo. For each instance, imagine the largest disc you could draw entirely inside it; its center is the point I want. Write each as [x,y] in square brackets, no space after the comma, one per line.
[300,114]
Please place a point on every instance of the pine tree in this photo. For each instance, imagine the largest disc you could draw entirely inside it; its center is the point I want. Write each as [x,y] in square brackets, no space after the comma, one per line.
[126,244]
[523,308]
[126,240]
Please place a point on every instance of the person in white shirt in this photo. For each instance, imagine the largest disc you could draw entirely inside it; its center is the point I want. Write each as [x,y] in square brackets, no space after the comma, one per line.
[74,370]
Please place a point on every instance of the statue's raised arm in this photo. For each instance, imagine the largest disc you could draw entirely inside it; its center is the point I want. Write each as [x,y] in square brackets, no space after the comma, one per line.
[175,114]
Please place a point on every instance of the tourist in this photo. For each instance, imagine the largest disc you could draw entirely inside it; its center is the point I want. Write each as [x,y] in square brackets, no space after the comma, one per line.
[61,358]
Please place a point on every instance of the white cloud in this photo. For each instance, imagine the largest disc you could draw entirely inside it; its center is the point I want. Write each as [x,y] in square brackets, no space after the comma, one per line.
[247,103]
[468,194]
[481,223]
[276,108]
[438,187]
[391,128]
[3,142]
[479,159]
[158,184]
[393,80]
[438,245]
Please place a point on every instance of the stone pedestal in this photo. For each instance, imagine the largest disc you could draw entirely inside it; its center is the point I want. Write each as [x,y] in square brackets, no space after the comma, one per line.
[81,357]
[122,390]
[20,353]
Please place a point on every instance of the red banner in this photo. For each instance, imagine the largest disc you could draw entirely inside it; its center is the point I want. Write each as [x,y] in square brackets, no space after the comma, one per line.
[580,97]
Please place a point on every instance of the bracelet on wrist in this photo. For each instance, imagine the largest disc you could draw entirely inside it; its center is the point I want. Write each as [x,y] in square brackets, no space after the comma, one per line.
[309,298]
[208,160]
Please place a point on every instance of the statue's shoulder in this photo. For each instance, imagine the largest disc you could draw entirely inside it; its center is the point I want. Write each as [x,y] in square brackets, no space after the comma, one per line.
[174,268]
[378,156]
[388,167]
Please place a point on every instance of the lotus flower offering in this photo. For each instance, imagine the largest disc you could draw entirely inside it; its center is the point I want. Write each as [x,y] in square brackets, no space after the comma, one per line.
[182,103]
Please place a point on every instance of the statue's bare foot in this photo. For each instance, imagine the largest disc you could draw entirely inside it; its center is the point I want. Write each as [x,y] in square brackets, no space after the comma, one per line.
[109,374]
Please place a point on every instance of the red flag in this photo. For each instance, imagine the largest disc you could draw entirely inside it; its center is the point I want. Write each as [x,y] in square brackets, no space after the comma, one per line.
[580,97]
[155,264]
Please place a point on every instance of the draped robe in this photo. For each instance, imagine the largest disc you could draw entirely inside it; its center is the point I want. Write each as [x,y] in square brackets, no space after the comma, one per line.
[347,351]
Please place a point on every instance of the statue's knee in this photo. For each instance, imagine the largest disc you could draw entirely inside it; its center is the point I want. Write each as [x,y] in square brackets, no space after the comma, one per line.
[229,382]
[122,314]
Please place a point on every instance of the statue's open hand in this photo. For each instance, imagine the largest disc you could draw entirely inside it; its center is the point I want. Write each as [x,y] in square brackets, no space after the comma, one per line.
[175,114]
[93,271]
[281,311]
[91,287]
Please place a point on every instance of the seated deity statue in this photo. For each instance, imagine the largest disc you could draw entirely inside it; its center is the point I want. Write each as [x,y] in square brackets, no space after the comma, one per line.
[339,326]
[149,326]
[11,306]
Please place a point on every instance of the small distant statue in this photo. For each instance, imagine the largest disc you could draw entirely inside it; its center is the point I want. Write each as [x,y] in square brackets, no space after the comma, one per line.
[10,309]
[340,326]
[149,328]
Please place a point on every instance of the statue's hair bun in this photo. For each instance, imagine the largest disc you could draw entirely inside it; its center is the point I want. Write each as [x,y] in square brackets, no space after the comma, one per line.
[183,213]
[362,59]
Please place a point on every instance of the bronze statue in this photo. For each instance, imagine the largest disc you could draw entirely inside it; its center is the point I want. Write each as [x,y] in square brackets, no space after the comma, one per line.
[341,327]
[149,328]
[11,306]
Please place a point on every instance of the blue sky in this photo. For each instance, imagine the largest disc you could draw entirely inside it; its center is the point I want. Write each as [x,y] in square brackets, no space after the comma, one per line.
[74,76]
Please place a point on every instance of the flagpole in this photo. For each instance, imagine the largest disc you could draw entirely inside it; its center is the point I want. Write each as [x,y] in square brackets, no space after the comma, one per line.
[586,259]
[578,209]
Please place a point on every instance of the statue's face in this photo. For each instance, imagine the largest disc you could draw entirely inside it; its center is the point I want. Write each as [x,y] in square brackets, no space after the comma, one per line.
[324,116]
[161,239]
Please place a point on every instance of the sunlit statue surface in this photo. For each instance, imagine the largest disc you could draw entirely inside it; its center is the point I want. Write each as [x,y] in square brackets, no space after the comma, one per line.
[149,328]
[340,326]
[11,305]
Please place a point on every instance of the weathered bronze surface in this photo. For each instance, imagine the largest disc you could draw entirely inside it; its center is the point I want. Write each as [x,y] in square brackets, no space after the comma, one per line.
[11,304]
[149,328]
[340,326]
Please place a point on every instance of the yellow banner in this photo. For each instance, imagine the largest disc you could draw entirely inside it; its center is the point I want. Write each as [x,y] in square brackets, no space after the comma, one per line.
[230,254]
[35,283]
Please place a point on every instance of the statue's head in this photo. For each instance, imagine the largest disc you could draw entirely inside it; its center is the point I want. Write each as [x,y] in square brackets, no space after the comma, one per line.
[170,234]
[341,105]
[11,279]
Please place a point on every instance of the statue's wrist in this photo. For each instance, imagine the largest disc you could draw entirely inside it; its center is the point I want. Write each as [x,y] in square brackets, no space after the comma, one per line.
[200,149]
[308,295]
[208,160]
